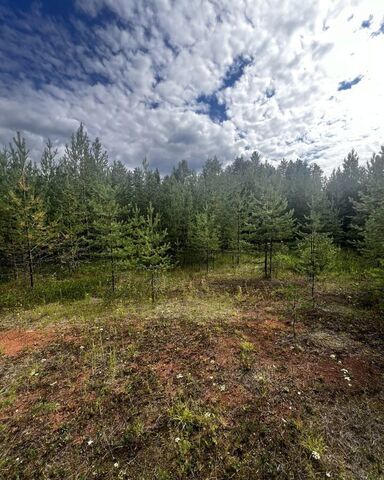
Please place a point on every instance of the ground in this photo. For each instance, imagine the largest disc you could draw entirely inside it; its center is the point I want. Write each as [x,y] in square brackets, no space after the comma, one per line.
[208,383]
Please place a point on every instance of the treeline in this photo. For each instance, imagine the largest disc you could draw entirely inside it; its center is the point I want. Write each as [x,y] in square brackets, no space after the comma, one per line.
[70,209]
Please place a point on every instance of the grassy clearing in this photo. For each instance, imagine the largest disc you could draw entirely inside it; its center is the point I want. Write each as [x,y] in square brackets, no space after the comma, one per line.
[208,383]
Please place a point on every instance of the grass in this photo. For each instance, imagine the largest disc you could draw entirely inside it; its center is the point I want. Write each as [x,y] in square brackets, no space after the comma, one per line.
[207,383]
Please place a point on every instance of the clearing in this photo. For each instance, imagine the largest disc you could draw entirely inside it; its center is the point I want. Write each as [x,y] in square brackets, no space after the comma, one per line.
[208,383]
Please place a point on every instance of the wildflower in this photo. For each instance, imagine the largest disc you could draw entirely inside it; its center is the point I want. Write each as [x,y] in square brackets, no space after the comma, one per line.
[90,441]
[315,455]
[222,388]
[81,347]
[333,355]
[328,475]
[177,439]
[116,464]
[43,360]
[179,375]
[207,414]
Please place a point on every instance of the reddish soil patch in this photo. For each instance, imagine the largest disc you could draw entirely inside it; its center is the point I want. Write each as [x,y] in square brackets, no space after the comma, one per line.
[14,341]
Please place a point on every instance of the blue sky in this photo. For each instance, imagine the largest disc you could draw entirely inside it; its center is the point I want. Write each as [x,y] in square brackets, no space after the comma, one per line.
[190,79]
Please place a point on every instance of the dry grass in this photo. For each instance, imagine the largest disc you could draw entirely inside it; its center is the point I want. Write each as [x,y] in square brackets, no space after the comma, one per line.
[207,384]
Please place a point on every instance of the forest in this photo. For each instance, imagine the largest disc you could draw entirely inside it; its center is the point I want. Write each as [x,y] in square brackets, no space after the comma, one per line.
[67,211]
[222,323]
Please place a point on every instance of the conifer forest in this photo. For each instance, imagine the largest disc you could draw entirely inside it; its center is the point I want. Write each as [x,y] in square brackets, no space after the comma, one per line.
[225,323]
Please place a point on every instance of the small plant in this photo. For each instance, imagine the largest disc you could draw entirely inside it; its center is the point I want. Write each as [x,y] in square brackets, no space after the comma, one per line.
[41,408]
[314,445]
[133,432]
[246,354]
[292,294]
[195,432]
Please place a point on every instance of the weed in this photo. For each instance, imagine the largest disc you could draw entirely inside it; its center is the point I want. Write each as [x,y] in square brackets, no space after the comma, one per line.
[246,354]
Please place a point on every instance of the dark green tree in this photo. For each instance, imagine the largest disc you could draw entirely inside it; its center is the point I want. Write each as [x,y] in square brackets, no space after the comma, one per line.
[270,222]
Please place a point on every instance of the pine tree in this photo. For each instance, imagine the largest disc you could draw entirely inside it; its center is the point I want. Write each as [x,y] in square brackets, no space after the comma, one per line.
[204,235]
[28,228]
[344,188]
[110,234]
[373,236]
[316,250]
[149,246]
[269,222]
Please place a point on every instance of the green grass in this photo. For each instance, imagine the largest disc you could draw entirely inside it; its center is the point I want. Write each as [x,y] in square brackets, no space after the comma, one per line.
[205,383]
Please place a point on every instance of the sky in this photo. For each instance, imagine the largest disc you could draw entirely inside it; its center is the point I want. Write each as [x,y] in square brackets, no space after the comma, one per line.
[169,80]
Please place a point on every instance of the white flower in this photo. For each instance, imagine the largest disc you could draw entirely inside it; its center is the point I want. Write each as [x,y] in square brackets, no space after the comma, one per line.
[179,375]
[43,360]
[222,388]
[333,355]
[328,475]
[90,441]
[348,379]
[82,347]
[315,455]
[207,414]
[116,464]
[177,439]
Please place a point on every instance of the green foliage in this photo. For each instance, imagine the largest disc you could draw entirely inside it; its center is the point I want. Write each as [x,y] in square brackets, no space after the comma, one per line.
[204,234]
[269,222]
[150,249]
[316,253]
[67,211]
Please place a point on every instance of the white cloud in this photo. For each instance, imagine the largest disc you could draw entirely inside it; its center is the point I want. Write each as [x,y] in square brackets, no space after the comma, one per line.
[135,82]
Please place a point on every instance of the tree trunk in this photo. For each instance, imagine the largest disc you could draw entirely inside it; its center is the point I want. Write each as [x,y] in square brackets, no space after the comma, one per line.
[313,289]
[266,259]
[294,315]
[14,265]
[113,279]
[153,286]
[30,267]
[238,239]
[270,258]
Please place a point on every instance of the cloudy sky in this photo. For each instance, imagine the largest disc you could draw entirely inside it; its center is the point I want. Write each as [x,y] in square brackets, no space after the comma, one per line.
[190,79]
